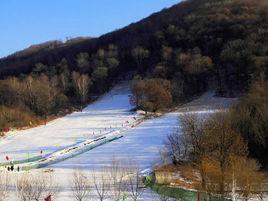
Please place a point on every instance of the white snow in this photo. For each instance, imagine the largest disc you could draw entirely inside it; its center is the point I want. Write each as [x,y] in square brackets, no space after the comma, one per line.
[140,144]
[106,114]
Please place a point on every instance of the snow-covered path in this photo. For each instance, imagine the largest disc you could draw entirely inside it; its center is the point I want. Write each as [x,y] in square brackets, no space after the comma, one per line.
[140,144]
[108,113]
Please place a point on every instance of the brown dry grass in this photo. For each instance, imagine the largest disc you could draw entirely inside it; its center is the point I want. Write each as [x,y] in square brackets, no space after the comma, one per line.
[17,117]
[185,176]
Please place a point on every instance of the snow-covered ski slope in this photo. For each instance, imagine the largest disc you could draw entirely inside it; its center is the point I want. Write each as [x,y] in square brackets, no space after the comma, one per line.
[140,144]
[109,113]
[143,143]
[81,147]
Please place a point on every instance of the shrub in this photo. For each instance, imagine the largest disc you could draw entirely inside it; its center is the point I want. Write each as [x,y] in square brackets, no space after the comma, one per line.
[16,117]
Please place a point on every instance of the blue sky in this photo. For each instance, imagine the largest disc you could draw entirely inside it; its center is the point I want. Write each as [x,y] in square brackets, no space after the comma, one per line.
[27,22]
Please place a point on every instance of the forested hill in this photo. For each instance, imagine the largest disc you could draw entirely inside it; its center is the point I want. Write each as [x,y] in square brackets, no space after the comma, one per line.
[174,54]
[126,38]
[226,38]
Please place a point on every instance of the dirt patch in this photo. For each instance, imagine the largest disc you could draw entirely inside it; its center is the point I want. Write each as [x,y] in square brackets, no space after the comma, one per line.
[183,176]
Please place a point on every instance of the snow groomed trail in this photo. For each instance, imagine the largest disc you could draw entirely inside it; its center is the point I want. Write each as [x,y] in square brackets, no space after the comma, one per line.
[79,148]
[107,117]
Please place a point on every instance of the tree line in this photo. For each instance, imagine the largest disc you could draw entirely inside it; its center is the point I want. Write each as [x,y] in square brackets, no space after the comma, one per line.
[49,90]
[194,44]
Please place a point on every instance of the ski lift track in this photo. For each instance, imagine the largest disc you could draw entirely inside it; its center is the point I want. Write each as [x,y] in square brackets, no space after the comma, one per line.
[80,148]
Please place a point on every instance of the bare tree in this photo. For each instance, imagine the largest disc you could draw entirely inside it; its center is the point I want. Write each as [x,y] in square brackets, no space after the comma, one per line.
[35,187]
[140,54]
[118,185]
[28,89]
[52,187]
[63,79]
[82,83]
[4,182]
[101,184]
[193,131]
[80,185]
[186,143]
[47,97]
[220,142]
[39,187]
[177,146]
[24,188]
[134,182]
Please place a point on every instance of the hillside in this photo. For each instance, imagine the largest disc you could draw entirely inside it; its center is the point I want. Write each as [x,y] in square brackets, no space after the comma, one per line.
[140,144]
[172,106]
[174,56]
[48,45]
[223,32]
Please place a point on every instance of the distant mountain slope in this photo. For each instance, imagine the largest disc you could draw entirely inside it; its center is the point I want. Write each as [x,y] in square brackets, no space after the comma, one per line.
[53,44]
[17,63]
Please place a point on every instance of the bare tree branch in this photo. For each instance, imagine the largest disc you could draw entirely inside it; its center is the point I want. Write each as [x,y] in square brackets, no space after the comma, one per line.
[80,185]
